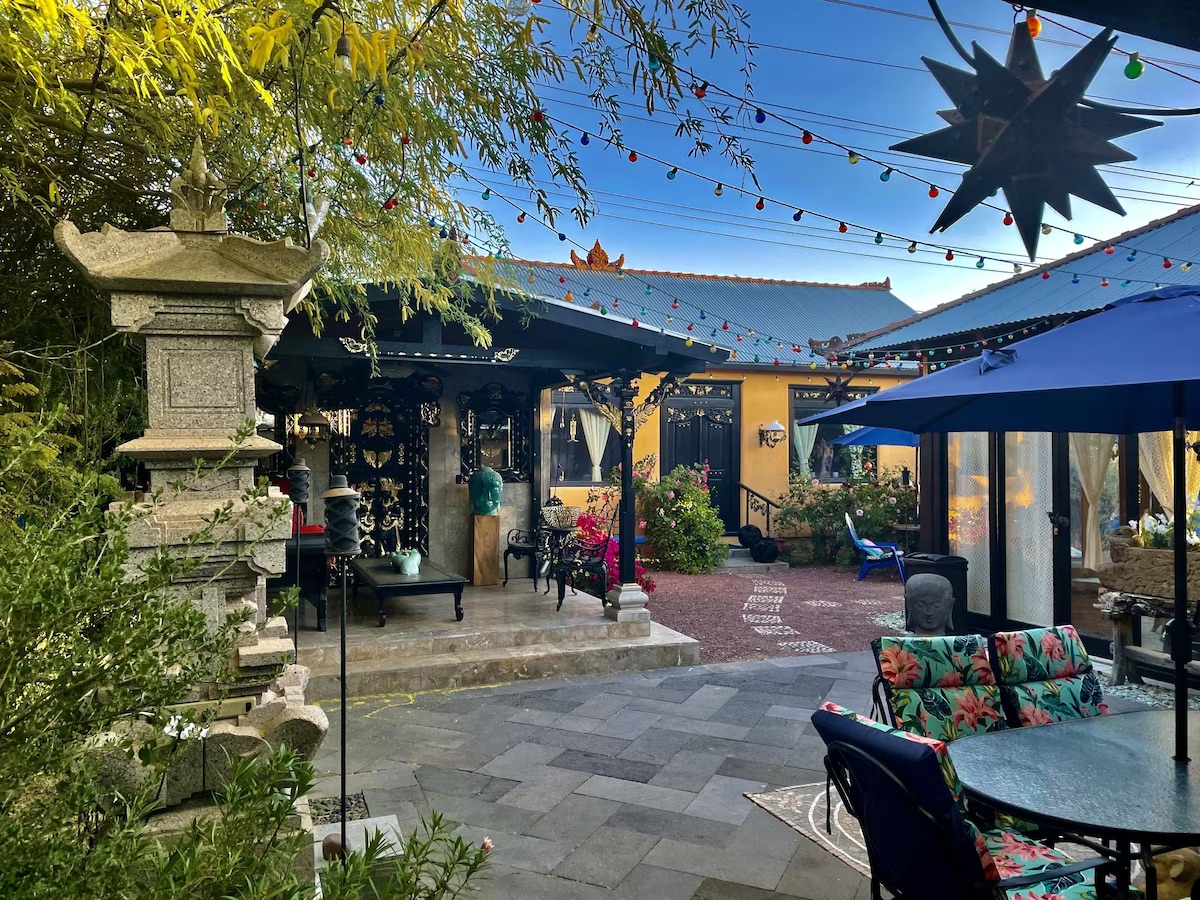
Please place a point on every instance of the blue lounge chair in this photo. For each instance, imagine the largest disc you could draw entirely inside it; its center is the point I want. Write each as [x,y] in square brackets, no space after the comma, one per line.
[876,554]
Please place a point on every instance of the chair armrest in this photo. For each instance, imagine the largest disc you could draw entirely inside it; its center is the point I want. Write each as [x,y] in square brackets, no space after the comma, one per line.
[887,545]
[1050,874]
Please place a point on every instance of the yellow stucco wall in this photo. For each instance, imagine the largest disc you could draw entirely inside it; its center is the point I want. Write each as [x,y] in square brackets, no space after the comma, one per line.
[763,397]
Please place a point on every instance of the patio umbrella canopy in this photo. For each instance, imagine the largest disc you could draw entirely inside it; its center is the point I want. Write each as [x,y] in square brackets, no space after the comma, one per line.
[878,437]
[1132,368]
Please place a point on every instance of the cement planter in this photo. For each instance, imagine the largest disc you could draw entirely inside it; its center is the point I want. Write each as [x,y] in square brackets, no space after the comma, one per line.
[1139,570]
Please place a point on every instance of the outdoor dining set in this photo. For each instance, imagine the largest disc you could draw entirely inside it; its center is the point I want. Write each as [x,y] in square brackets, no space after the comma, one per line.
[985,754]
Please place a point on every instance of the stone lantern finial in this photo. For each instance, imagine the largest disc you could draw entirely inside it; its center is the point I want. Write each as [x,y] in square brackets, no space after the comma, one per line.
[198,197]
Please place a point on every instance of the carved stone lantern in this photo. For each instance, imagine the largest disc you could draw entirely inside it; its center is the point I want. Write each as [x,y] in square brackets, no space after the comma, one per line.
[207,303]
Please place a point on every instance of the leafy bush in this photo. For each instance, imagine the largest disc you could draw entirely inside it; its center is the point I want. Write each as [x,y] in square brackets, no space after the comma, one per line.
[681,524]
[875,501]
[94,645]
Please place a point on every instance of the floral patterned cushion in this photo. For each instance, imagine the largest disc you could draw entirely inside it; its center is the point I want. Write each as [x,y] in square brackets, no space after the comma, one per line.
[1046,676]
[1015,855]
[1040,654]
[947,713]
[914,662]
[1056,700]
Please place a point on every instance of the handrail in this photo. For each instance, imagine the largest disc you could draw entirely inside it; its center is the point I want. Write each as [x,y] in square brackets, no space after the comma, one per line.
[767,505]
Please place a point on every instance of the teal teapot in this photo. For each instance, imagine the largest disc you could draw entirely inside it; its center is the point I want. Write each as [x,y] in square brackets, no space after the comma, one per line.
[406,562]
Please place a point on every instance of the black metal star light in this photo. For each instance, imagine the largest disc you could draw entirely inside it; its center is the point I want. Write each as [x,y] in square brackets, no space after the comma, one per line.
[1025,134]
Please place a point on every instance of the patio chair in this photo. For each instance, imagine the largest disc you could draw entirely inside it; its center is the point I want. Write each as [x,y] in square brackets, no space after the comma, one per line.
[531,543]
[581,557]
[921,846]
[938,687]
[876,554]
[1045,675]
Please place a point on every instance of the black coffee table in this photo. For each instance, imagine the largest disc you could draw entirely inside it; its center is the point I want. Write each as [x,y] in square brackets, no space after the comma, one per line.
[1108,777]
[385,582]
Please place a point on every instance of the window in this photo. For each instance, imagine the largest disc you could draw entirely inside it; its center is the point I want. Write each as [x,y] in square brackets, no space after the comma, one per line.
[811,454]
[584,447]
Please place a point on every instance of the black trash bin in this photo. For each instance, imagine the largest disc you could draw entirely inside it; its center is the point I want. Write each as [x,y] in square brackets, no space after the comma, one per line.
[953,569]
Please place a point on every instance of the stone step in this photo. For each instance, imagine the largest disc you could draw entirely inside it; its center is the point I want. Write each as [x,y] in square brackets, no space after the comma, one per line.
[738,552]
[413,644]
[661,648]
[744,565]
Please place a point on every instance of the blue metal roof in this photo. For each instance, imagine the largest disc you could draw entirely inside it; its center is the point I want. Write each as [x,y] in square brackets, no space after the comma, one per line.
[1029,296]
[760,310]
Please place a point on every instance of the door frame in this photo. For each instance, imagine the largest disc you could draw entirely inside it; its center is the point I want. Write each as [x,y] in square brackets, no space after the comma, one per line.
[735,456]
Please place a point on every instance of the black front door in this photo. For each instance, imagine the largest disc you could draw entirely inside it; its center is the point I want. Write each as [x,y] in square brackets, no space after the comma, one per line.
[700,425]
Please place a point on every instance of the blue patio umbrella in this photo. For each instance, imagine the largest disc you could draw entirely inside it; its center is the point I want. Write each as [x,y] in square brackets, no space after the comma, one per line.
[1132,368]
[878,437]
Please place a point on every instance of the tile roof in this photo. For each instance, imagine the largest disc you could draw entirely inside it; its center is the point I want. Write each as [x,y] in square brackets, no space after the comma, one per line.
[1029,296]
[791,312]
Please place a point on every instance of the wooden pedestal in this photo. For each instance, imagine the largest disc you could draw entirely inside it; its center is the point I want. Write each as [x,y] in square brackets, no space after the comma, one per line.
[485,550]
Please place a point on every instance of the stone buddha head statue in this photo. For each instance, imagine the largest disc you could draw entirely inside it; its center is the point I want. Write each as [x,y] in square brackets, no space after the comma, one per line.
[928,605]
[485,487]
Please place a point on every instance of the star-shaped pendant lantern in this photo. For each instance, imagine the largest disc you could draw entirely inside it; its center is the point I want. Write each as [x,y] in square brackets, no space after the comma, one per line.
[838,390]
[1025,134]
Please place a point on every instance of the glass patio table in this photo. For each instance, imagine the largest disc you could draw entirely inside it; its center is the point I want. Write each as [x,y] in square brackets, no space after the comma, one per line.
[1110,777]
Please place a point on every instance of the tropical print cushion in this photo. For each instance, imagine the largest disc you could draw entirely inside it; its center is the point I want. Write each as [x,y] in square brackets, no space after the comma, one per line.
[1056,700]
[1015,855]
[947,713]
[915,662]
[1040,654]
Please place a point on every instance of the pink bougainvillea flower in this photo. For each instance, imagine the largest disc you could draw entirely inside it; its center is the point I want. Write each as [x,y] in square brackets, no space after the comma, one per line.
[815,482]
[858,512]
[672,523]
[671,495]
[892,501]
[642,524]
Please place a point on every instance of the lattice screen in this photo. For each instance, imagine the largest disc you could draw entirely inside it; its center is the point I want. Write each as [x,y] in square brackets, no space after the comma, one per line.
[1029,541]
[968,470]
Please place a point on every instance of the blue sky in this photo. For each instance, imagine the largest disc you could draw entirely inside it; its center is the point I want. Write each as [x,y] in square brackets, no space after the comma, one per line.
[680,225]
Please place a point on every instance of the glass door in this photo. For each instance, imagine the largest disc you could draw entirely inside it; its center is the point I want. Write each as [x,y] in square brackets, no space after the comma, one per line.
[969,507]
[1028,530]
[1095,515]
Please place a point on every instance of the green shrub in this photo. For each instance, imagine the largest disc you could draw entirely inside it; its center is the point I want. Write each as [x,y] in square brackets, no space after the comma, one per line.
[682,526]
[874,501]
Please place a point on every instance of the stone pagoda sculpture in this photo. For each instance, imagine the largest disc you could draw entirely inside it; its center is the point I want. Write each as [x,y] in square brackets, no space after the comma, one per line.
[208,303]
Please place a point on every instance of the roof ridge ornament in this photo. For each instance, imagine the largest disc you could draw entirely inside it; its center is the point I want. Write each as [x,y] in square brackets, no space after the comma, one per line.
[198,197]
[597,260]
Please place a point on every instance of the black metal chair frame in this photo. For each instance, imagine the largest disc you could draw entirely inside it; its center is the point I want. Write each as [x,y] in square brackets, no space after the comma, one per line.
[974,889]
[525,543]
[581,557]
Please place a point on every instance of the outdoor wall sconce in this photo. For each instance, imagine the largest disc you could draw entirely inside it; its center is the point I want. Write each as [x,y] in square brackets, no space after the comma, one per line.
[771,435]
[312,427]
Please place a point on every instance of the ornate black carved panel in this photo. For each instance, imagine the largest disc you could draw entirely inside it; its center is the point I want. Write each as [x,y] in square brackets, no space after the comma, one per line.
[495,426]
[384,450]
[700,425]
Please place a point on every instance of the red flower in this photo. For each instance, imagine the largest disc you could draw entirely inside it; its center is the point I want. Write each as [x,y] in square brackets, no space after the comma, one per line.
[1052,646]
[951,679]
[982,666]
[1011,645]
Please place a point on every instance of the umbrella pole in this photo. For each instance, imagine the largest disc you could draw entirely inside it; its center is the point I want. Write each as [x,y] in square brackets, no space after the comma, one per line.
[1181,630]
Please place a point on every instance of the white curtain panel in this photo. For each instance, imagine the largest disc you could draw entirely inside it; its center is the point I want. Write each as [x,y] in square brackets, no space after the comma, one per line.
[596,430]
[803,438]
[1092,453]
[1156,461]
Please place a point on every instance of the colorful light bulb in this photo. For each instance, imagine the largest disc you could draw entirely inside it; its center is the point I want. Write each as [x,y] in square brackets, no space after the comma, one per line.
[1135,67]
[760,116]
[885,175]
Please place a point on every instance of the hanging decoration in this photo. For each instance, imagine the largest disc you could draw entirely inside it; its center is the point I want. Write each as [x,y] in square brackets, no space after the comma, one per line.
[1025,134]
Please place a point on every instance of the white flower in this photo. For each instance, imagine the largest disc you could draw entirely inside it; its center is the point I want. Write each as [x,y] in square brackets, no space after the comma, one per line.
[172,727]
[892,501]
[488,844]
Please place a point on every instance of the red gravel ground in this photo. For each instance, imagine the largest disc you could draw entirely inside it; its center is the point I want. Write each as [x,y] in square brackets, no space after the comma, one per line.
[711,608]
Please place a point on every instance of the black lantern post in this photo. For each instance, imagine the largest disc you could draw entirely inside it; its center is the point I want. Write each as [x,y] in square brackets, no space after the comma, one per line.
[342,540]
[299,480]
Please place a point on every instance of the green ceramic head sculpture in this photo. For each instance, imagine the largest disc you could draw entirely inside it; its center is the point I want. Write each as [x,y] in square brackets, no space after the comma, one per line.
[485,487]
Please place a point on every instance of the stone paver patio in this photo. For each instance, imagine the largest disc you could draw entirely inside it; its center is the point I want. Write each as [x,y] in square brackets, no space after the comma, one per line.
[622,786]
[625,786]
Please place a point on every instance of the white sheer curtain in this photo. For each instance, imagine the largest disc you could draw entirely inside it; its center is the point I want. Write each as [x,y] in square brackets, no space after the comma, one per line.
[1156,461]
[596,429]
[803,438]
[1092,453]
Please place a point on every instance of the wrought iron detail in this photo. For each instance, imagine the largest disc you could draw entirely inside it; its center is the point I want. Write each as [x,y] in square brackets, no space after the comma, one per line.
[677,415]
[699,389]
[495,427]
[385,453]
